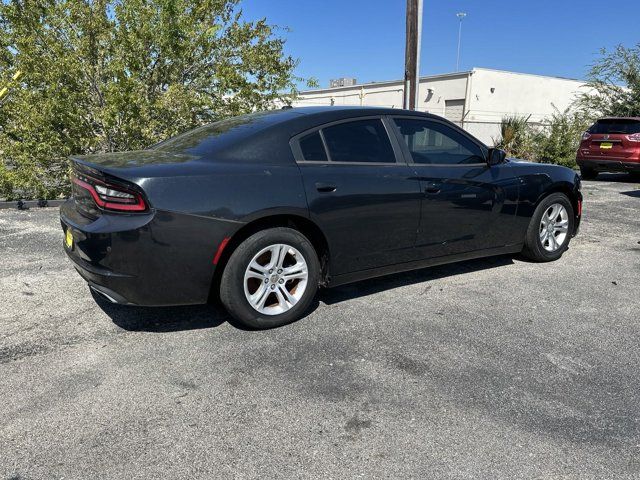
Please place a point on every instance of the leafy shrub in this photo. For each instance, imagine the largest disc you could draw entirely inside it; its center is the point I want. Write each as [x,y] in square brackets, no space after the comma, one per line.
[560,138]
[554,140]
[516,137]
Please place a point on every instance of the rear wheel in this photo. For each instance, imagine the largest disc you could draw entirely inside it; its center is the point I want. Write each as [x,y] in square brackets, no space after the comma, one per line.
[588,173]
[271,278]
[550,229]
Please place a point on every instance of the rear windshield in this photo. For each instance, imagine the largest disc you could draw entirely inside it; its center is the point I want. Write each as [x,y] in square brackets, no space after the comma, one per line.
[203,139]
[616,126]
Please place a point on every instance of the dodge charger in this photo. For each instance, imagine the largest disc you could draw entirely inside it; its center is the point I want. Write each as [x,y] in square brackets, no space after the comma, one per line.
[259,211]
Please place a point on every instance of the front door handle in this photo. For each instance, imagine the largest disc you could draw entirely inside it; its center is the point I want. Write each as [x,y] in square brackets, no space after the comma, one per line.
[325,187]
[433,188]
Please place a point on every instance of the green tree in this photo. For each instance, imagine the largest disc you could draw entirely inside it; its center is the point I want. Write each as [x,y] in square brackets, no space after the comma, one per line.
[613,87]
[111,75]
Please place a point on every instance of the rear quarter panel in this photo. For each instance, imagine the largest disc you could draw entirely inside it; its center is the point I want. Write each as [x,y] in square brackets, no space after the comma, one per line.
[194,214]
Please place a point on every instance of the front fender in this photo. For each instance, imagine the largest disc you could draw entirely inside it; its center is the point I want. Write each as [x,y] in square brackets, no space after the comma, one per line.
[537,181]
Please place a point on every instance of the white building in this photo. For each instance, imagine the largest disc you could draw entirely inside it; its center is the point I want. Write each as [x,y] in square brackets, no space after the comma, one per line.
[477,100]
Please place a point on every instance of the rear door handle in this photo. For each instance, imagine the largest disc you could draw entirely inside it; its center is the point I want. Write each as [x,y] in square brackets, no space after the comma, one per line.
[325,187]
[433,188]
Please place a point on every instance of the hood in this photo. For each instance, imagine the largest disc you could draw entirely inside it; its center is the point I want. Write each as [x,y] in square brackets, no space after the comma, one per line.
[519,160]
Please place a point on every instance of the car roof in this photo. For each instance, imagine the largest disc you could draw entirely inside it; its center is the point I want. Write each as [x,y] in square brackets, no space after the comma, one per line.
[348,110]
[297,119]
[619,118]
[265,135]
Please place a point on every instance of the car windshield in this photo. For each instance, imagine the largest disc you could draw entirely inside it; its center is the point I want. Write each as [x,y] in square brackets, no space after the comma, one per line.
[623,125]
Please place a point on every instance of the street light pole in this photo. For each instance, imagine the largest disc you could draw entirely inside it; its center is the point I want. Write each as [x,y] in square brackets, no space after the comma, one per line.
[460,15]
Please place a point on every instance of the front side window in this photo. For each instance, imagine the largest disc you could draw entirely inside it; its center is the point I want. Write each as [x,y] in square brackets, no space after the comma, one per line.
[435,143]
[363,141]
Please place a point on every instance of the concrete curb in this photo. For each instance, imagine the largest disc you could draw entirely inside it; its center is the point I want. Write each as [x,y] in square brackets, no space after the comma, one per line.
[27,204]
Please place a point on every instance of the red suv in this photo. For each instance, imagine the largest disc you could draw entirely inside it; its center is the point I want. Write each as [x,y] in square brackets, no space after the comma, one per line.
[610,145]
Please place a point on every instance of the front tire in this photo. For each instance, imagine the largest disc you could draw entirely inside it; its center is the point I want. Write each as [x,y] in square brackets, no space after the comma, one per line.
[270,279]
[550,229]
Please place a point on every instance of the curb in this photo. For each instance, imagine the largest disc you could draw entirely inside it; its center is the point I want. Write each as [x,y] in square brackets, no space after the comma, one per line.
[27,204]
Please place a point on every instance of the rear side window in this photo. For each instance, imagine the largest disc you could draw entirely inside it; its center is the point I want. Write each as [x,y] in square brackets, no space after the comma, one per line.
[312,148]
[625,126]
[363,141]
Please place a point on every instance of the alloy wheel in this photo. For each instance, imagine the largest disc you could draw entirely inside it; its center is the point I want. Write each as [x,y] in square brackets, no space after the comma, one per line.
[275,279]
[554,227]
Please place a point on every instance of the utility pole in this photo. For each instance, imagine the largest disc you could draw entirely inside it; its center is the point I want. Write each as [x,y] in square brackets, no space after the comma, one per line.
[461,16]
[412,53]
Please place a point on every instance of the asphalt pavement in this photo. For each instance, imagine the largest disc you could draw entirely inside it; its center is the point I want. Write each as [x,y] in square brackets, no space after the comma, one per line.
[494,368]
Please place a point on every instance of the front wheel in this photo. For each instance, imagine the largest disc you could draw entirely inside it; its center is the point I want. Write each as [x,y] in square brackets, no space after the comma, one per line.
[270,279]
[550,229]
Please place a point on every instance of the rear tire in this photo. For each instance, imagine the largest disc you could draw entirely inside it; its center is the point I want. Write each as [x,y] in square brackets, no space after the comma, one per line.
[546,239]
[270,279]
[588,173]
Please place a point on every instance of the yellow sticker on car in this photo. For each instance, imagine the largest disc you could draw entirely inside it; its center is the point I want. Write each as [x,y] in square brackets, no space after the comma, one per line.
[68,238]
[606,145]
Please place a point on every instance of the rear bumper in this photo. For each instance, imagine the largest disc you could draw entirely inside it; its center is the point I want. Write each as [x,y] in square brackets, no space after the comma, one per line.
[151,259]
[116,288]
[600,165]
[104,285]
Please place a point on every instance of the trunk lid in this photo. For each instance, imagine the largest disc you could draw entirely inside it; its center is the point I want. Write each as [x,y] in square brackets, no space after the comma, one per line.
[135,164]
[125,172]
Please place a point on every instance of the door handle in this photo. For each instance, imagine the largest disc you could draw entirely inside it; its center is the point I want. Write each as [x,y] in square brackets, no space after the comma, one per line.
[433,188]
[325,187]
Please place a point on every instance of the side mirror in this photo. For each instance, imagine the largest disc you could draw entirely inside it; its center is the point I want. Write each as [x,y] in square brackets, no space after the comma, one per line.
[496,156]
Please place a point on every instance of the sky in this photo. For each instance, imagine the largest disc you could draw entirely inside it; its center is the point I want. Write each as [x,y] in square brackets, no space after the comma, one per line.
[365,38]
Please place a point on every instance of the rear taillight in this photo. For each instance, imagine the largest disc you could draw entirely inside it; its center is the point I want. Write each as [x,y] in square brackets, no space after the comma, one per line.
[586,136]
[634,137]
[109,196]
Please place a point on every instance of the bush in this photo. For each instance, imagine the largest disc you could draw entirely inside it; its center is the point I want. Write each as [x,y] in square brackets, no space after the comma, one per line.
[516,137]
[555,140]
[558,141]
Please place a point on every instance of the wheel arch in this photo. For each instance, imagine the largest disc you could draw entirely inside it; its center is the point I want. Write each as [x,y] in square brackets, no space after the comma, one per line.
[567,189]
[296,222]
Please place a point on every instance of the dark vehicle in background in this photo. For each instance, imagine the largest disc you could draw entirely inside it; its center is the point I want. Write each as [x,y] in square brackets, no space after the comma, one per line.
[261,210]
[610,145]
